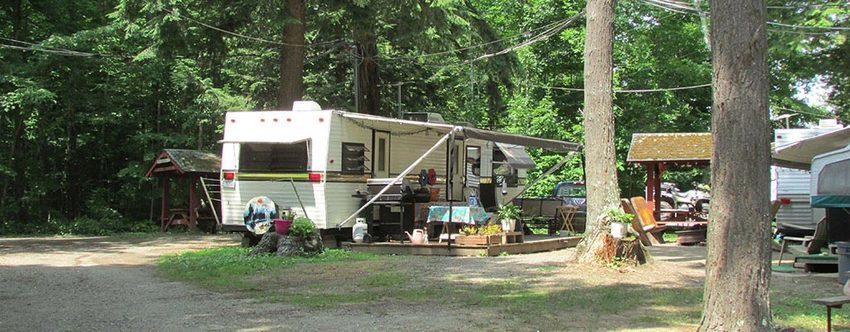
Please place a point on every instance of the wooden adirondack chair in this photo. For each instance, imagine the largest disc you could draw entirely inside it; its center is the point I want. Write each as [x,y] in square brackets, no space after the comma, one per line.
[647,220]
[636,225]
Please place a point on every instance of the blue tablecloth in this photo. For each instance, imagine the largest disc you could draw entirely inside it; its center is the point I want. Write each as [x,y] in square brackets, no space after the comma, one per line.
[460,214]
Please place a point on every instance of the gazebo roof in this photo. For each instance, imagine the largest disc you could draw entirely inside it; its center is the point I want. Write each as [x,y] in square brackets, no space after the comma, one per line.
[670,147]
[180,161]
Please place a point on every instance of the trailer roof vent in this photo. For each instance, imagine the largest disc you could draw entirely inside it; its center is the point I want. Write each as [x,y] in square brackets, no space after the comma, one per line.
[423,117]
[306,105]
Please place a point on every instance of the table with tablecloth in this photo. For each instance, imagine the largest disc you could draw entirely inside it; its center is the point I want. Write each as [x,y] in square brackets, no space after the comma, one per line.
[470,215]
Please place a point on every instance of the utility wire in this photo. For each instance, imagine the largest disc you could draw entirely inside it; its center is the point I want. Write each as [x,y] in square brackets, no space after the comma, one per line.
[809,27]
[52,51]
[686,9]
[547,26]
[627,91]
[33,47]
[542,36]
[232,33]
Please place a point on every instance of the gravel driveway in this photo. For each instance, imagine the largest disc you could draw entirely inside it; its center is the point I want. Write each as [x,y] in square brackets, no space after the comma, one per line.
[110,284]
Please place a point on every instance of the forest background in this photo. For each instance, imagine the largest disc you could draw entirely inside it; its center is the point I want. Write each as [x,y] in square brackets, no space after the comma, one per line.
[91,90]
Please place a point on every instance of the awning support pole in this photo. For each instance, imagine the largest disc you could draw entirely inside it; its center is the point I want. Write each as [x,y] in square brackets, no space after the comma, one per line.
[397,178]
[545,174]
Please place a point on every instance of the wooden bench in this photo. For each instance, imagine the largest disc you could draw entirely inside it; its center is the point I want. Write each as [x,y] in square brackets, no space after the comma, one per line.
[831,302]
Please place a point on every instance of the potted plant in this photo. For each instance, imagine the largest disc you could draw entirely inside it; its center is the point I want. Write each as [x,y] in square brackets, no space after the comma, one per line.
[483,235]
[282,225]
[619,221]
[509,214]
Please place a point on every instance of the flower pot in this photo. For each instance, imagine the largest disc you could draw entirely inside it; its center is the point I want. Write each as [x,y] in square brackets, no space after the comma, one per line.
[508,225]
[281,226]
[619,230]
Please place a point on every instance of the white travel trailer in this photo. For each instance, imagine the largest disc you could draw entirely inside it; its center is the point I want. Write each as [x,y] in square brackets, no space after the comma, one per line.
[790,184]
[316,162]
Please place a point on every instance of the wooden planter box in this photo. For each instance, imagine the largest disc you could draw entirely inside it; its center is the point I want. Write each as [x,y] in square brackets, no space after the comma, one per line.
[478,240]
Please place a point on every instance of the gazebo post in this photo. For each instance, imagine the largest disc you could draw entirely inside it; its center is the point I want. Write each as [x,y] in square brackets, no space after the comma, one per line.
[650,183]
[193,202]
[659,170]
[163,218]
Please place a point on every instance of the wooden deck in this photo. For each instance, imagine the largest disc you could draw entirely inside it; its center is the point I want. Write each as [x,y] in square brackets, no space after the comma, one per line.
[531,244]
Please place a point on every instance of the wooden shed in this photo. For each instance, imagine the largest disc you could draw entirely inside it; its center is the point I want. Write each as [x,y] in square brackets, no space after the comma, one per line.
[189,167]
[656,151]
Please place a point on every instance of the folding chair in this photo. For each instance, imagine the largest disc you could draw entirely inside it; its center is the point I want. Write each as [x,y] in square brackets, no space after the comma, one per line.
[567,212]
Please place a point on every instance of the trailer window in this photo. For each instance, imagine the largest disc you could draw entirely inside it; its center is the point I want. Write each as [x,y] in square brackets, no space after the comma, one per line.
[353,158]
[274,157]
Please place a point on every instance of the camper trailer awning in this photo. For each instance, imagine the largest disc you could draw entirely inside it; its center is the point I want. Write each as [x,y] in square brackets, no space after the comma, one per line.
[495,136]
[516,155]
[799,154]
[487,135]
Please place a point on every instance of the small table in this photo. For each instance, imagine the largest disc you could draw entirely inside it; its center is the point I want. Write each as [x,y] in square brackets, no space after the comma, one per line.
[831,302]
[469,215]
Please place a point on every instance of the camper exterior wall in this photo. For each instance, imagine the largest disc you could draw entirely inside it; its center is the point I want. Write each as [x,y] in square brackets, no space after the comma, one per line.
[283,127]
[275,127]
[838,177]
[793,185]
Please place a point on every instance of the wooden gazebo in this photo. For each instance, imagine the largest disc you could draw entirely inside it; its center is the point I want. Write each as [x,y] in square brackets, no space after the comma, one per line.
[656,151]
[189,165]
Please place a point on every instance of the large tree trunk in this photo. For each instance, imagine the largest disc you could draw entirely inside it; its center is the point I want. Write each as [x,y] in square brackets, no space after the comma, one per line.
[369,96]
[738,264]
[601,167]
[292,55]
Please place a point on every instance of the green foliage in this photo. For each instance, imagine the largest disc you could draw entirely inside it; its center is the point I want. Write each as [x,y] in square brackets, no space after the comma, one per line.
[616,214]
[78,132]
[79,226]
[509,211]
[302,226]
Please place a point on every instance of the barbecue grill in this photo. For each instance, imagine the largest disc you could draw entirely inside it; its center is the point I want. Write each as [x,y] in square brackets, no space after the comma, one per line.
[400,190]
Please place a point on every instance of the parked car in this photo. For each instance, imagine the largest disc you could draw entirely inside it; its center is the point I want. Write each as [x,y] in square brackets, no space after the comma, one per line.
[545,208]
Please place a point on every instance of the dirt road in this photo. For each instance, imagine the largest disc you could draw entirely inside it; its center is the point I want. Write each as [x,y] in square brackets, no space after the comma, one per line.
[110,284]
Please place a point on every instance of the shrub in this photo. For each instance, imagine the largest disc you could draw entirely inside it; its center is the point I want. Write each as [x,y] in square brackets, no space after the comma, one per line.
[302,226]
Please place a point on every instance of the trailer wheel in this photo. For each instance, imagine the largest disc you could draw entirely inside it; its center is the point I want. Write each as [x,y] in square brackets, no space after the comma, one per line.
[249,240]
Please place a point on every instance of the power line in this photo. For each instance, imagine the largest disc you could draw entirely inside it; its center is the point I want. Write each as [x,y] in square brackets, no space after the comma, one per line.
[547,26]
[33,47]
[627,91]
[232,33]
[542,36]
[809,27]
[52,51]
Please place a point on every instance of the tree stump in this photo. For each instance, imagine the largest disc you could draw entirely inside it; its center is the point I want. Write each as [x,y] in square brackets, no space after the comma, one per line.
[601,248]
[268,244]
[282,245]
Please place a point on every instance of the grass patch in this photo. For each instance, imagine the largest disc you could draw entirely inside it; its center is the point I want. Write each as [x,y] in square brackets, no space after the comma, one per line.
[231,267]
[670,237]
[339,277]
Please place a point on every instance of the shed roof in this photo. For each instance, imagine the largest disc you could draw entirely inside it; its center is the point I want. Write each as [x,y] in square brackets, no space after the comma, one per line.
[180,161]
[671,147]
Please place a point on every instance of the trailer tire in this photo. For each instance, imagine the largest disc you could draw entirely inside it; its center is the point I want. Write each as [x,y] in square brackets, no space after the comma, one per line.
[249,240]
